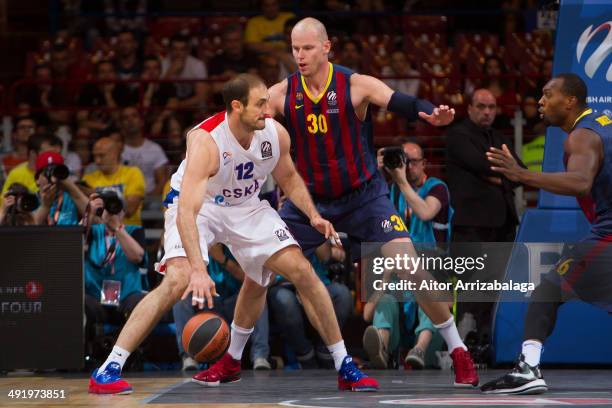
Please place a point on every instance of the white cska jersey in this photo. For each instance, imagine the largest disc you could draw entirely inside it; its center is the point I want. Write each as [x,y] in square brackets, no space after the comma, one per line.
[241,172]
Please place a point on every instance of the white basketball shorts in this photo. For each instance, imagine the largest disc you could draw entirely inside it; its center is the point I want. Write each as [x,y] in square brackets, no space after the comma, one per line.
[253,231]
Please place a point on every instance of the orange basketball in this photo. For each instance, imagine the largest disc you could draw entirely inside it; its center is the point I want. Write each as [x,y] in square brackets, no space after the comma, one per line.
[206,337]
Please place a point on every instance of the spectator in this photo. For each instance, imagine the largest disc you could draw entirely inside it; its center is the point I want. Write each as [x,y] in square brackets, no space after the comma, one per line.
[60,61]
[285,55]
[288,313]
[61,201]
[127,181]
[269,70]
[233,58]
[501,88]
[25,127]
[180,65]
[40,99]
[24,173]
[72,160]
[159,98]
[531,115]
[400,67]
[351,56]
[115,253]
[484,202]
[82,143]
[103,99]
[228,277]
[172,131]
[265,33]
[141,152]
[63,69]
[125,15]
[127,62]
[545,73]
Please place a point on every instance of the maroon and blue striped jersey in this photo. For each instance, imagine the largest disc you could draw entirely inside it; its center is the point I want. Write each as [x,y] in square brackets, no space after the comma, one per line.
[332,148]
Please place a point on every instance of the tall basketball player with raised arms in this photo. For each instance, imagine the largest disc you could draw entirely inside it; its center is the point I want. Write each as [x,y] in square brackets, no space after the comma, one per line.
[214,198]
[326,107]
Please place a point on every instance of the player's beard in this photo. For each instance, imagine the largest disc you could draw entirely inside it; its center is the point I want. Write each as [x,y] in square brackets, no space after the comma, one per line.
[255,125]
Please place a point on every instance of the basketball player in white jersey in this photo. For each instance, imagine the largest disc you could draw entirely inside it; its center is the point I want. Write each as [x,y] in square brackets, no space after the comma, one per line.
[214,198]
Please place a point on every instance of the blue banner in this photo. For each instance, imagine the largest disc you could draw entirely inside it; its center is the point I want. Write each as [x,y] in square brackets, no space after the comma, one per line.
[583,46]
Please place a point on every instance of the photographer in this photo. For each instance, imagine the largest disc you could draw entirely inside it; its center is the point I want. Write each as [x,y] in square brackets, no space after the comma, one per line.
[424,203]
[114,254]
[17,206]
[25,172]
[61,201]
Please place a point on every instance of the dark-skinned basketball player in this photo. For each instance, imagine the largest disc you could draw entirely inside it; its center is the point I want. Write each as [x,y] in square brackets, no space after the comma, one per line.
[584,269]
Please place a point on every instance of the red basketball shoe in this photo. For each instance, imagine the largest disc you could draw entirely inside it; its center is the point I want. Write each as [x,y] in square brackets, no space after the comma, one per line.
[465,373]
[350,378]
[225,370]
[108,381]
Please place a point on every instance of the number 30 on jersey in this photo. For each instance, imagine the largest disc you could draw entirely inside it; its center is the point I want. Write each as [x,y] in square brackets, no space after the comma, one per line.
[316,123]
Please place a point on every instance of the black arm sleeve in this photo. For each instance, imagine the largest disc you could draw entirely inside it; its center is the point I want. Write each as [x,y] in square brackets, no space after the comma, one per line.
[408,105]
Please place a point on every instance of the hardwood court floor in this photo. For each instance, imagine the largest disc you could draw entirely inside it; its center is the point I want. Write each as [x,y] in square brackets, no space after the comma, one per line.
[309,388]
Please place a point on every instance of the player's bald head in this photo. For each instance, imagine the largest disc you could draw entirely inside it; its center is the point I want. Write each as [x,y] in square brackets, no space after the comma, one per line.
[311,25]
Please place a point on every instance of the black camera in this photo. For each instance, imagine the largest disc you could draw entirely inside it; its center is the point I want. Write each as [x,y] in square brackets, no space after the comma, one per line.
[59,171]
[337,271]
[24,200]
[394,157]
[112,203]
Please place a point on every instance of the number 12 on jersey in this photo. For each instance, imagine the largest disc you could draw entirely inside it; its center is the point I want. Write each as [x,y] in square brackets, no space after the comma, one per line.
[245,170]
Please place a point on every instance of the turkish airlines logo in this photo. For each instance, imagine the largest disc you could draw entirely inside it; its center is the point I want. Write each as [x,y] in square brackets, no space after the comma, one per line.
[34,290]
[593,63]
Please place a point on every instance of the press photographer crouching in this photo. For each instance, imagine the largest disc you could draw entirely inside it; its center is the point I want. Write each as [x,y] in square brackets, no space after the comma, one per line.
[61,200]
[424,206]
[113,256]
[17,206]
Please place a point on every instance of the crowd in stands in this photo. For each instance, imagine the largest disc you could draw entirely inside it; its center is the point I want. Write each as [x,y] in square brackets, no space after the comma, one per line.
[99,123]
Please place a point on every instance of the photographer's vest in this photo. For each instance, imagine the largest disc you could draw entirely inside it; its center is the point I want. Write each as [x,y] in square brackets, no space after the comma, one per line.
[105,259]
[63,211]
[423,231]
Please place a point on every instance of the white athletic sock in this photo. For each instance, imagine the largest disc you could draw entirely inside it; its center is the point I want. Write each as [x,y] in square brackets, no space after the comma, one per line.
[239,338]
[449,332]
[532,350]
[338,352]
[118,355]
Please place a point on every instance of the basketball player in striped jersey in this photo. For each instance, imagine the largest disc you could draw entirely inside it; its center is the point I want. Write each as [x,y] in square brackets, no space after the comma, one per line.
[215,198]
[326,108]
[583,271]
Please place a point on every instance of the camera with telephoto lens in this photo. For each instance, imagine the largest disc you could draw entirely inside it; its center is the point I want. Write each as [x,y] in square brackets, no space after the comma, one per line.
[24,200]
[394,157]
[59,171]
[112,203]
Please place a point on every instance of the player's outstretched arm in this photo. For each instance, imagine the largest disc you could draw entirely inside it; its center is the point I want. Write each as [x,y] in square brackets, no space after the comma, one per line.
[202,162]
[373,90]
[584,150]
[294,188]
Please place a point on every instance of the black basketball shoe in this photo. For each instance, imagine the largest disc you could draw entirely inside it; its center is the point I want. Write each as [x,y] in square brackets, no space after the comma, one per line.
[523,379]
